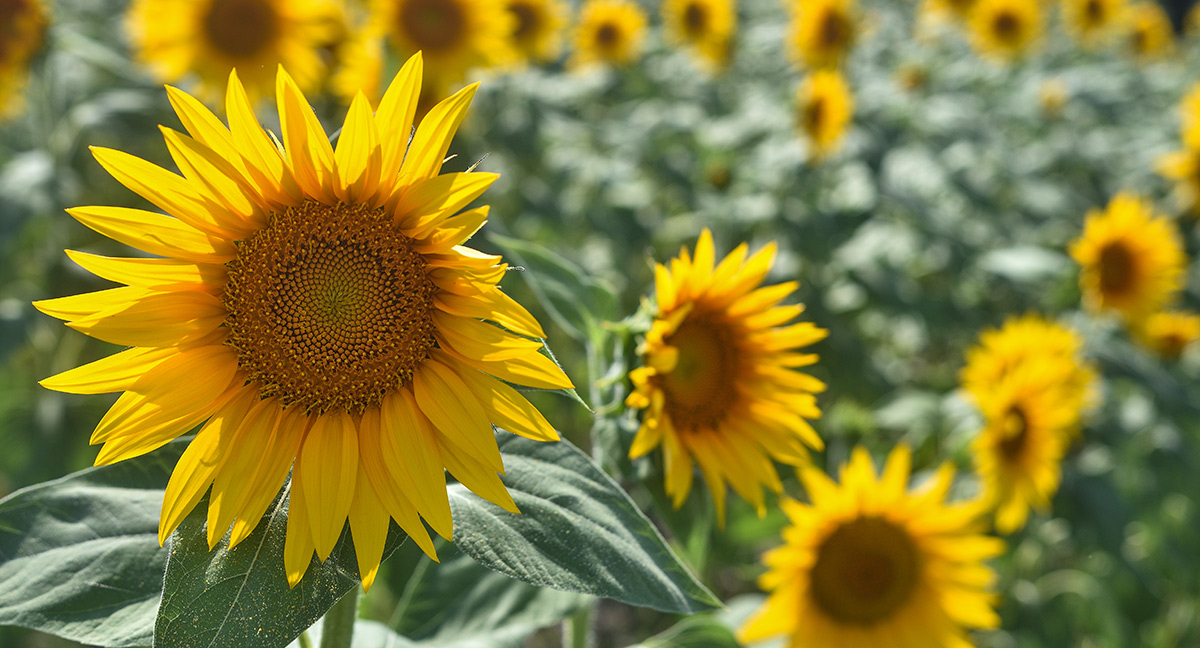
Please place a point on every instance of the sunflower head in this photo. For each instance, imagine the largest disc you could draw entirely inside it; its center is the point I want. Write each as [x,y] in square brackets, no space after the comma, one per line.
[1092,22]
[1169,333]
[1005,30]
[1189,118]
[1131,260]
[314,309]
[22,30]
[1053,95]
[718,382]
[824,106]
[954,10]
[705,26]
[822,32]
[869,563]
[453,36]
[537,28]
[610,32]
[1148,31]
[1182,167]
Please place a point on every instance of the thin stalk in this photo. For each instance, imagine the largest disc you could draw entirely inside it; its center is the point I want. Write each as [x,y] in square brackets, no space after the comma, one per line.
[577,629]
[338,629]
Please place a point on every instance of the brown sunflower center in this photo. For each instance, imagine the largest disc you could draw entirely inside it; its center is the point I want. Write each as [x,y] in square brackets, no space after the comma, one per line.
[1116,269]
[695,19]
[864,571]
[1093,11]
[813,116]
[241,28]
[329,307]
[699,389]
[528,20]
[433,25]
[1014,434]
[835,30]
[10,11]
[608,36]
[1006,26]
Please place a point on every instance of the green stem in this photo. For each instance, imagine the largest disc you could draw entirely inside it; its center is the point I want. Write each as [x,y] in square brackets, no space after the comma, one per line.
[305,642]
[577,629]
[338,628]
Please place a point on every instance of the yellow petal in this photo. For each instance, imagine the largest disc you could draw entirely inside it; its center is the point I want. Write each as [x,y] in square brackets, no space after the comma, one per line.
[236,477]
[391,481]
[233,203]
[453,231]
[455,413]
[158,319]
[492,305]
[358,155]
[272,472]
[409,445]
[298,543]
[73,307]
[530,370]
[114,373]
[369,528]
[433,136]
[155,233]
[152,273]
[479,478]
[262,157]
[395,116]
[204,126]
[309,153]
[330,459]
[425,204]
[473,338]
[505,406]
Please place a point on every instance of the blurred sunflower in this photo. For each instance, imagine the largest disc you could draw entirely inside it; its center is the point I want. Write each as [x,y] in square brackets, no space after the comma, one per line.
[706,26]
[359,68]
[1183,168]
[609,31]
[871,564]
[824,106]
[1005,29]
[1053,95]
[1169,333]
[208,38]
[316,311]
[1191,22]
[453,36]
[1030,415]
[22,31]
[1092,22]
[822,32]
[1148,31]
[1131,260]
[957,10]
[1189,118]
[718,380]
[537,28]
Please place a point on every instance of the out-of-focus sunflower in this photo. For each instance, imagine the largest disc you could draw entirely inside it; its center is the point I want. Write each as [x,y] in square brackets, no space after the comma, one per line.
[1006,29]
[824,106]
[537,28]
[1183,168]
[1169,333]
[822,32]
[360,62]
[871,564]
[208,38]
[1053,95]
[1092,22]
[1191,22]
[1148,31]
[1131,260]
[453,36]
[1189,118]
[954,10]
[316,311]
[719,381]
[705,26]
[22,32]
[610,32]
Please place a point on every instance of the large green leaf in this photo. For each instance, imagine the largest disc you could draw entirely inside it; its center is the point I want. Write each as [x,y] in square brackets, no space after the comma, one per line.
[79,556]
[240,596]
[578,531]
[700,631]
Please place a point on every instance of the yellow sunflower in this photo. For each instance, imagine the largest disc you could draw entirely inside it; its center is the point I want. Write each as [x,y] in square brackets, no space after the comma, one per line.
[315,310]
[1183,168]
[1131,260]
[870,564]
[718,380]
[453,36]
[1148,31]
[705,26]
[208,38]
[22,31]
[1191,22]
[955,10]
[1005,29]
[1092,22]
[609,31]
[822,32]
[824,106]
[1189,118]
[360,66]
[1169,333]
[1053,95]
[537,28]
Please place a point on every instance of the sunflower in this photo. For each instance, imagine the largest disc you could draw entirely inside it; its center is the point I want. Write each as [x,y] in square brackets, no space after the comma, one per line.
[822,32]
[454,36]
[1183,168]
[1131,259]
[1191,22]
[609,31]
[1053,95]
[871,564]
[1148,34]
[824,106]
[705,26]
[208,38]
[22,31]
[1005,29]
[718,382]
[1030,415]
[1092,21]
[1189,118]
[1169,333]
[316,311]
[537,28]
[956,10]
[360,66]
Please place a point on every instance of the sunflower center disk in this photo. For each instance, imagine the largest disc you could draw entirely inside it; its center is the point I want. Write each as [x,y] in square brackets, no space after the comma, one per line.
[695,19]
[241,28]
[814,116]
[835,30]
[1006,26]
[1116,269]
[1094,11]
[527,20]
[1016,431]
[699,389]
[434,25]
[608,36]
[9,11]
[865,570]
[329,307]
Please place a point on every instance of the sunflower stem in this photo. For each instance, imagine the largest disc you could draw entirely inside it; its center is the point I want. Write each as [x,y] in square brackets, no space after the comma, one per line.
[338,628]
[577,629]
[305,641]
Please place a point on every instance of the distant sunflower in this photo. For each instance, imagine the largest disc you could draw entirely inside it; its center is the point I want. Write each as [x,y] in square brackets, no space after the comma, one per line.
[315,311]
[955,10]
[609,31]
[705,26]
[718,380]
[1092,22]
[22,31]
[870,564]
[822,32]
[537,28]
[1183,168]
[453,36]
[1053,95]
[1169,333]
[1006,29]
[1189,118]
[360,63]
[208,38]
[1148,31]
[1131,260]
[1191,22]
[824,106]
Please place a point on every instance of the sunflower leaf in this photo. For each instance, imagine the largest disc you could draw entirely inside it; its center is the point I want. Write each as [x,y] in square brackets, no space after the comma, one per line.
[240,596]
[578,532]
[79,556]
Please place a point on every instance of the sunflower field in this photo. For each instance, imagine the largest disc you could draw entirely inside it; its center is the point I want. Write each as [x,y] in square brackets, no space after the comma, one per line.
[599,323]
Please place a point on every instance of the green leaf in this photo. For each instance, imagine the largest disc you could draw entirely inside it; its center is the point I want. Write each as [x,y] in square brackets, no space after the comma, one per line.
[79,556]
[700,631]
[578,531]
[240,596]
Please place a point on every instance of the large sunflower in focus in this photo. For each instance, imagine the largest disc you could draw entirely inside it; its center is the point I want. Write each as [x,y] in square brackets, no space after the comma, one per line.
[824,106]
[1005,29]
[22,30]
[870,564]
[1131,260]
[609,31]
[315,310]
[718,380]
[453,36]
[1092,21]
[208,38]
[705,26]
[537,28]
[822,32]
